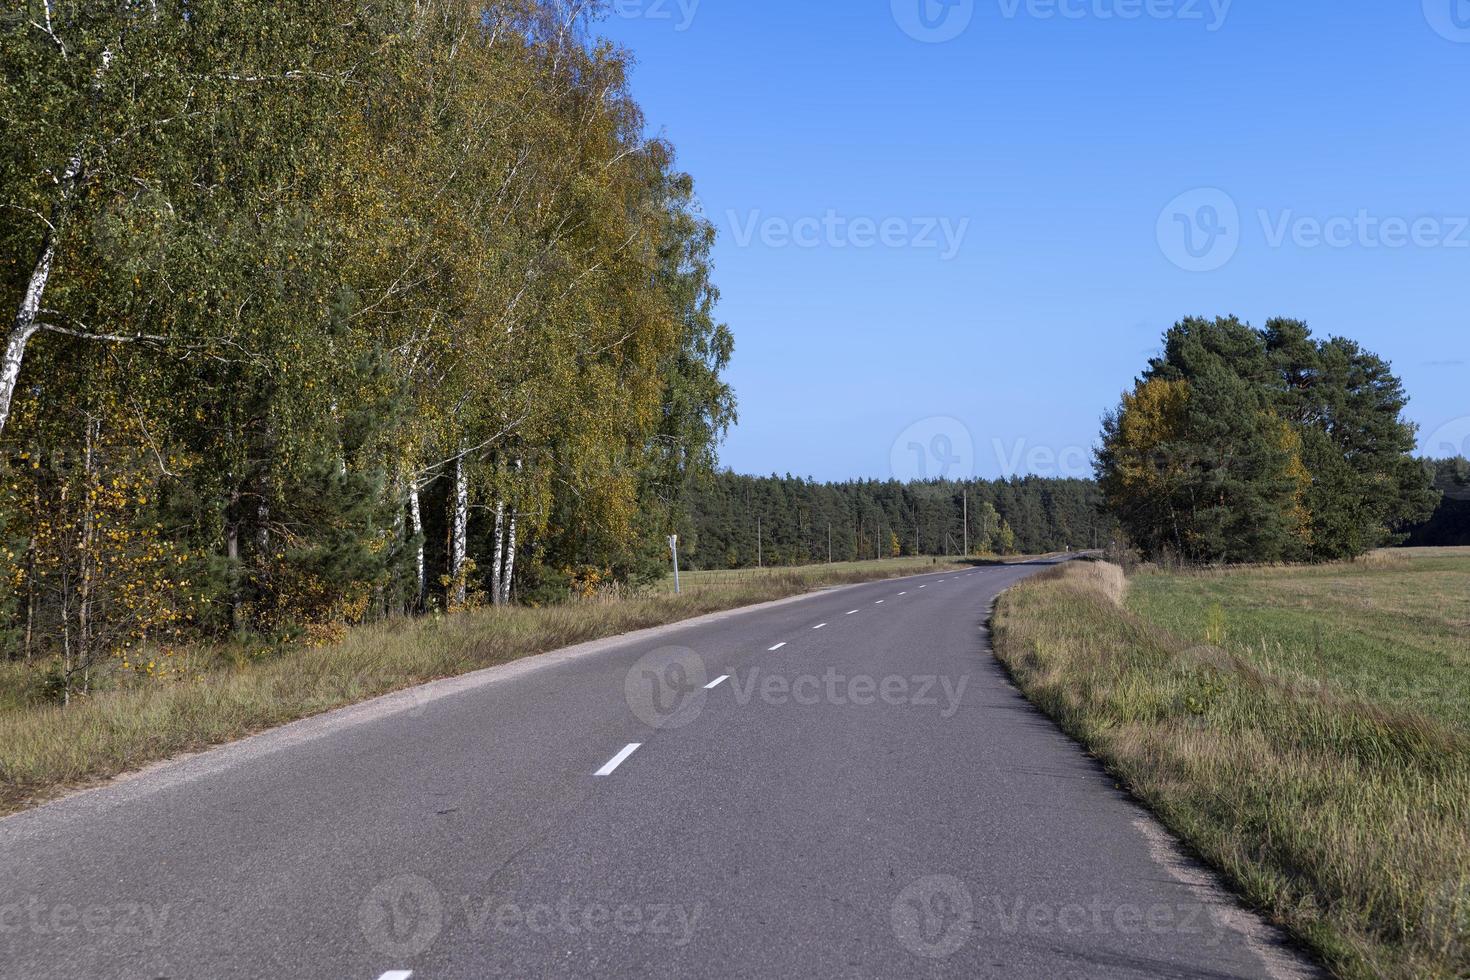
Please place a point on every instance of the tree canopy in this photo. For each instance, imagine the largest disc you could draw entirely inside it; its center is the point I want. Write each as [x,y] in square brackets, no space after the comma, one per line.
[324,312]
[1246,445]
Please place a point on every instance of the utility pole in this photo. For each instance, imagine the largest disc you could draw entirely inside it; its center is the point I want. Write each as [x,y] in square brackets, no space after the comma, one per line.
[760,561]
[674,547]
[829,542]
[967,523]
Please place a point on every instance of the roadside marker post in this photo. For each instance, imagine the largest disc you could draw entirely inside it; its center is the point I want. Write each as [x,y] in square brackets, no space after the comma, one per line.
[674,549]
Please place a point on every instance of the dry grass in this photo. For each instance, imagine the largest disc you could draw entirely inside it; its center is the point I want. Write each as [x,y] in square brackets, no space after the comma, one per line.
[47,749]
[1345,818]
[1097,578]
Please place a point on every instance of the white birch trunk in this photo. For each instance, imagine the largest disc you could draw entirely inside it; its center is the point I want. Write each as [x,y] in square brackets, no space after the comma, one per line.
[497,566]
[25,325]
[416,528]
[459,534]
[24,329]
[510,559]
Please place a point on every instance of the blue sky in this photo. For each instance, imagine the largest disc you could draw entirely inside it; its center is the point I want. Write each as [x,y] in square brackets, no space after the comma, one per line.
[949,255]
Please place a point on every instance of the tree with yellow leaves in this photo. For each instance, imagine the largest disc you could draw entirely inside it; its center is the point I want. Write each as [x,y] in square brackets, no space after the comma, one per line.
[1241,445]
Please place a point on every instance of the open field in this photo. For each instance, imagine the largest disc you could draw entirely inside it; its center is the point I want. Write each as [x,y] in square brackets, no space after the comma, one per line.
[1392,629]
[228,694]
[1305,729]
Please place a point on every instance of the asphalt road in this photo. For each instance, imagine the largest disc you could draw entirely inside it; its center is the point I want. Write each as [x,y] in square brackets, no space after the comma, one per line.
[863,794]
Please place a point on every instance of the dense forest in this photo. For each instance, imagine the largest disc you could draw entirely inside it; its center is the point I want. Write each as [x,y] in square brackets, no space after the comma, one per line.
[741,521]
[1246,445]
[325,312]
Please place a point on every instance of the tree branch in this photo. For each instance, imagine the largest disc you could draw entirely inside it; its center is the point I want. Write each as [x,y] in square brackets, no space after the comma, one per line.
[114,338]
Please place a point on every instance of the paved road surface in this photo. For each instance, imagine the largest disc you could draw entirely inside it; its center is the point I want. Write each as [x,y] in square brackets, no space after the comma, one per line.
[844,785]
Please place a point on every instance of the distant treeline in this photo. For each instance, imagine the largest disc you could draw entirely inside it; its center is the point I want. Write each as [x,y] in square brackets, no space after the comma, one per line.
[739,521]
[1450,525]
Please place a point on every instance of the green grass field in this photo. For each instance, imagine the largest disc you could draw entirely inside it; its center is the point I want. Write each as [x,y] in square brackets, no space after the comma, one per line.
[1306,730]
[1392,629]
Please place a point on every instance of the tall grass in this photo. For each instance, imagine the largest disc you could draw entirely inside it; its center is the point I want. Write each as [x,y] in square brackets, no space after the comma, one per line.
[45,749]
[1345,820]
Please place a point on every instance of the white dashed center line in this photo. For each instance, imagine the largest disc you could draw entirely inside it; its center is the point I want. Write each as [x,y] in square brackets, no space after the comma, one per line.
[819,626]
[903,593]
[777,647]
[396,975]
[850,612]
[619,759]
[880,602]
[923,586]
[716,682]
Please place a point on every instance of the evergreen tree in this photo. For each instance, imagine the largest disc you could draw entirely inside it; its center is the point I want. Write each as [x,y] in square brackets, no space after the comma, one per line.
[867,517]
[1245,445]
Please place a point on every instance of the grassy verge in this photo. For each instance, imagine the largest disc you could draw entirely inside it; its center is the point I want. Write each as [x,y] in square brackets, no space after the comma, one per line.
[46,749]
[1305,730]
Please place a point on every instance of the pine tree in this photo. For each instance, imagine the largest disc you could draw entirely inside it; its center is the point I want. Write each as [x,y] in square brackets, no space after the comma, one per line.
[1245,445]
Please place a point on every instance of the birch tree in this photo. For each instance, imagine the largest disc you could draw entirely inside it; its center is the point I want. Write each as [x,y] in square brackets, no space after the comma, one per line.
[64,124]
[345,278]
